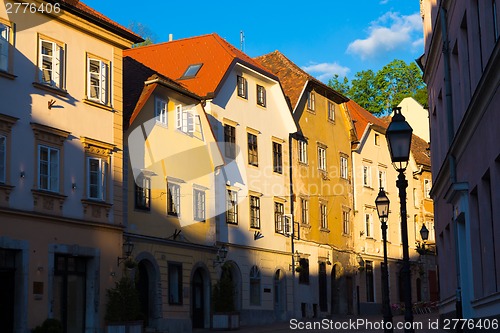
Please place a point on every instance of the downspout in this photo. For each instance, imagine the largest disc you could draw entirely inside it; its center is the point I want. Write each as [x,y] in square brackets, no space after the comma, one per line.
[451,158]
[292,205]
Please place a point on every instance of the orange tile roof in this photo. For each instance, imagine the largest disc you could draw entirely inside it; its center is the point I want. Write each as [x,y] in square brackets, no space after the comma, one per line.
[171,59]
[362,118]
[420,150]
[79,8]
[293,78]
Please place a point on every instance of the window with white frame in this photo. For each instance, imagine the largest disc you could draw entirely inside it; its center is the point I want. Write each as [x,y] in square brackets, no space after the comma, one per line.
[97,178]
[242,86]
[253,154]
[51,63]
[277,157]
[174,283]
[97,80]
[381,179]
[161,111]
[173,199]
[3,159]
[311,101]
[323,215]
[229,141]
[184,119]
[304,210]
[322,158]
[5,41]
[199,205]
[427,188]
[48,168]
[302,151]
[346,227]
[279,210]
[331,111]
[368,225]
[143,193]
[255,285]
[254,212]
[232,207]
[367,176]
[343,167]
[261,96]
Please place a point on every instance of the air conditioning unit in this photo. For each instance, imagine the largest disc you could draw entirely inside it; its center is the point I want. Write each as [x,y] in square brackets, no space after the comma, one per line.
[287,225]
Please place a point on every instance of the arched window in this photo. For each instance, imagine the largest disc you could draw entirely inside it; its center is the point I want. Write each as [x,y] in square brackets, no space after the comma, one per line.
[254,286]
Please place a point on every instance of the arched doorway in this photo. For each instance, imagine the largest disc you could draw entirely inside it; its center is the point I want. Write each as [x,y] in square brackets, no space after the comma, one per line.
[200,298]
[142,285]
[233,270]
[335,291]
[280,295]
[149,288]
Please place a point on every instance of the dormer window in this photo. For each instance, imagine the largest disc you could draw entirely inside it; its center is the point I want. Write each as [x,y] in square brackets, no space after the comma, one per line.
[242,87]
[191,71]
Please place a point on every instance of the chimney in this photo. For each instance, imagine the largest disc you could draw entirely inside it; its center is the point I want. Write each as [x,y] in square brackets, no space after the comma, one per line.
[170,37]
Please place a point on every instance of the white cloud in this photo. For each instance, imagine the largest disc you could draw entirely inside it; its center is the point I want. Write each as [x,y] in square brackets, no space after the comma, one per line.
[389,32]
[324,71]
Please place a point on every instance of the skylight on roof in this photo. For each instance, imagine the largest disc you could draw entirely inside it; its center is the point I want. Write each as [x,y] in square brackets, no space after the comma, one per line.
[191,71]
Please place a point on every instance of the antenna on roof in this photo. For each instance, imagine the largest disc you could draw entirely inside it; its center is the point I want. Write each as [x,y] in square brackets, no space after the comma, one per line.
[242,41]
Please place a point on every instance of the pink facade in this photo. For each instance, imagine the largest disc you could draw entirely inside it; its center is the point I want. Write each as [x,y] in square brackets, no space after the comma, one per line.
[461,64]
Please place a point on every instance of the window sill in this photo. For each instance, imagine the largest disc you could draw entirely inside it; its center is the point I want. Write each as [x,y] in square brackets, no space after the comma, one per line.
[54,90]
[96,210]
[97,105]
[305,225]
[5,194]
[324,230]
[232,223]
[311,111]
[7,75]
[142,209]
[305,164]
[48,202]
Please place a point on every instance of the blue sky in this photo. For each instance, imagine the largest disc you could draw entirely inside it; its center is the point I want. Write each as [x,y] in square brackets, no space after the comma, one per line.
[324,37]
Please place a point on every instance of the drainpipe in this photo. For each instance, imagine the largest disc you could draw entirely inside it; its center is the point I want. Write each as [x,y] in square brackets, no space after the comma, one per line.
[451,158]
[292,205]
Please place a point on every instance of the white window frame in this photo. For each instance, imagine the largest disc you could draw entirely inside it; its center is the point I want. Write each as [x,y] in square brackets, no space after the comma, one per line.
[261,96]
[102,77]
[382,179]
[311,101]
[346,227]
[199,205]
[322,158]
[242,87]
[331,111]
[254,204]
[231,206]
[161,111]
[323,213]
[184,119]
[304,210]
[56,61]
[367,176]
[368,225]
[102,178]
[344,170]
[302,151]
[279,218]
[3,159]
[427,188]
[173,199]
[5,42]
[255,286]
[52,174]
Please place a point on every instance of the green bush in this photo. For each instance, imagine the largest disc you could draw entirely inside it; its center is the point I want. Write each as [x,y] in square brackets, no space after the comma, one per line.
[223,293]
[124,303]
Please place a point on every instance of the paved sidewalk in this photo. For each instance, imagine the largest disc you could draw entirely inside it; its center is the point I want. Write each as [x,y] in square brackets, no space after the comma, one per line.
[423,323]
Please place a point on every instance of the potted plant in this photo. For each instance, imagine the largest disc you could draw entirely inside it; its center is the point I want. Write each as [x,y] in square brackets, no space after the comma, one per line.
[123,310]
[224,314]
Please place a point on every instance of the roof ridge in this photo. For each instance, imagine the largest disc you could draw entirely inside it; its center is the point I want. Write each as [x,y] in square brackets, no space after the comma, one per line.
[169,42]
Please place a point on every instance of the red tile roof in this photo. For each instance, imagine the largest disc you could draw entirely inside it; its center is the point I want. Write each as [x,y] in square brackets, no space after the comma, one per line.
[171,59]
[79,8]
[293,78]
[362,118]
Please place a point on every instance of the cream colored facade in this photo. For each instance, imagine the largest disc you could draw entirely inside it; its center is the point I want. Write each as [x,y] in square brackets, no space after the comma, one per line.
[61,226]
[417,116]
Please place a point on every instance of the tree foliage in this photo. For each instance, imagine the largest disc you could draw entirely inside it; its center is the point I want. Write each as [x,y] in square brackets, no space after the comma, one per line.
[379,92]
[143,31]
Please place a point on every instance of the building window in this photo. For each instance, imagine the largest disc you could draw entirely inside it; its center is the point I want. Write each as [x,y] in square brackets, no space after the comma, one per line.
[346,228]
[97,178]
[331,111]
[173,199]
[279,221]
[174,283]
[5,42]
[381,179]
[427,188]
[230,141]
[415,198]
[368,225]
[242,87]
[367,176]
[254,212]
[261,95]
[199,205]
[311,101]
[322,158]
[161,112]
[3,159]
[370,293]
[232,207]
[253,156]
[495,19]
[51,63]
[323,216]
[184,119]
[48,168]
[255,286]
[277,158]
[303,269]
[191,71]
[302,151]
[142,193]
[97,80]
[304,210]
[377,139]
[343,167]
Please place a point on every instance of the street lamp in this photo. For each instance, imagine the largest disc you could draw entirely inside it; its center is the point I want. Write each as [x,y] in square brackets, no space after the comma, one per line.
[424,233]
[382,203]
[398,136]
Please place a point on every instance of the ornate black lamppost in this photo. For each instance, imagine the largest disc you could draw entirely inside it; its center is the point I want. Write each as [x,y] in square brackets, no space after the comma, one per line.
[398,136]
[382,203]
